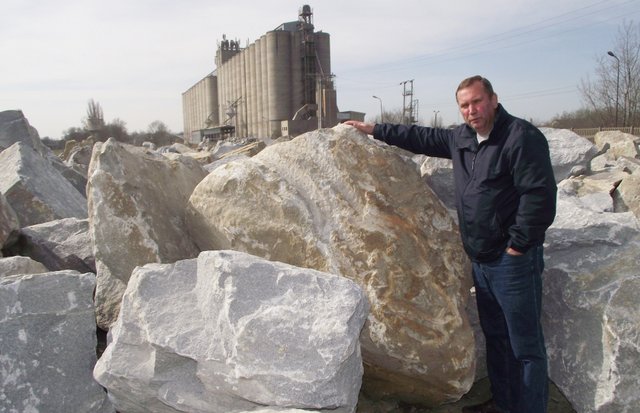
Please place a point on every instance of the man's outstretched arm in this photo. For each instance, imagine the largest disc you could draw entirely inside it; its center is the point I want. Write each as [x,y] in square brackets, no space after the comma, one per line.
[361,126]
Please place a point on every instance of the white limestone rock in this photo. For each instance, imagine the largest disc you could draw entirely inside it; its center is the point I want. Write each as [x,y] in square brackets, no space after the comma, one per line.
[568,150]
[275,410]
[63,244]
[621,144]
[222,148]
[229,332]
[149,145]
[79,159]
[627,194]
[628,165]
[250,149]
[76,178]
[338,202]
[591,307]
[136,200]
[48,342]
[203,158]
[36,191]
[9,224]
[182,148]
[20,265]
[590,192]
[14,127]
[223,161]
[604,162]
[438,174]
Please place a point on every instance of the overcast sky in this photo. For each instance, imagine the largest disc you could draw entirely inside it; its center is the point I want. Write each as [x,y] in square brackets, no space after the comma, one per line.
[136,57]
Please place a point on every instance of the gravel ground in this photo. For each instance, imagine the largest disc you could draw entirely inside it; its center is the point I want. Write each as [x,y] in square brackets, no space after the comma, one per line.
[478,393]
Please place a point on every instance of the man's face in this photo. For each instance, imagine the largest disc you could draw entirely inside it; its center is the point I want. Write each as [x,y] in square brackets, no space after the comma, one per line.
[478,109]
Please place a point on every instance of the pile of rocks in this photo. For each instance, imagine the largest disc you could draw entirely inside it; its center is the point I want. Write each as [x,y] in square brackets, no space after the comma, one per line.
[294,275]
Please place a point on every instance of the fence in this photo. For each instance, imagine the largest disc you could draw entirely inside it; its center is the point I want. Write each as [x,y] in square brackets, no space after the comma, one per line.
[589,133]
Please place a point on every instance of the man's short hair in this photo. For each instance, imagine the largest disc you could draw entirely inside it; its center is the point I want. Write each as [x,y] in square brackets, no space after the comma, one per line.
[473,79]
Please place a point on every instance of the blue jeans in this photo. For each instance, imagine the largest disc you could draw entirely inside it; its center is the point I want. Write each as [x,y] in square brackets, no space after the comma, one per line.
[509,295]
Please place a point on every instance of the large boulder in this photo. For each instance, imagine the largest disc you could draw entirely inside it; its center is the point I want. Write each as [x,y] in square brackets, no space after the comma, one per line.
[77,155]
[627,194]
[36,191]
[14,127]
[48,342]
[591,307]
[629,165]
[9,224]
[77,178]
[20,265]
[63,244]
[136,201]
[620,143]
[203,158]
[438,174]
[181,148]
[605,161]
[229,332]
[278,410]
[569,152]
[594,191]
[230,145]
[250,149]
[80,158]
[338,202]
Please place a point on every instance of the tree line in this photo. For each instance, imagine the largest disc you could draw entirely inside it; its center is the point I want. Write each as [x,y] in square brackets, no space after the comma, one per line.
[94,126]
[612,97]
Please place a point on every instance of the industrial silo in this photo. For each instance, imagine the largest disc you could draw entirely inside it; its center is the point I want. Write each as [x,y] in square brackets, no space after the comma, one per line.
[278,78]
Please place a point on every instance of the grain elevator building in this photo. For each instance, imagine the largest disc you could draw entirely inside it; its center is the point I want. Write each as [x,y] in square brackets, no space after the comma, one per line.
[279,85]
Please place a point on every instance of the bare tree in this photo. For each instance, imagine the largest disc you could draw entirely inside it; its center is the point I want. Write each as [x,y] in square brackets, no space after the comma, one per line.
[117,129]
[94,121]
[157,127]
[160,134]
[616,89]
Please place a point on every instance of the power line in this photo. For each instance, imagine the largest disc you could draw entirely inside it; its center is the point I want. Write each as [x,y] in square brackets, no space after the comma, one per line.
[541,93]
[509,38]
[570,21]
[546,24]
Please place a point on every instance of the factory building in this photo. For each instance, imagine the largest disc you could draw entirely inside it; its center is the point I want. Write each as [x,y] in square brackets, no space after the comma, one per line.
[279,85]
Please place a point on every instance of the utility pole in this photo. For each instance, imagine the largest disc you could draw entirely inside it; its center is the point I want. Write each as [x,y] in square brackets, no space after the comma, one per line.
[407,96]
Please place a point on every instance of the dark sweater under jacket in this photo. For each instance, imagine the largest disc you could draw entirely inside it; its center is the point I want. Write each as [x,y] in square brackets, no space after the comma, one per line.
[505,189]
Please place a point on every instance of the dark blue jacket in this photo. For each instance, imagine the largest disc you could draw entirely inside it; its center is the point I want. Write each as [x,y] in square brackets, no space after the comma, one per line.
[505,188]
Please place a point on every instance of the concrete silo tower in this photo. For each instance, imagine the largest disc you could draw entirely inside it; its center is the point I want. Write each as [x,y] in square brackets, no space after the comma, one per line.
[279,85]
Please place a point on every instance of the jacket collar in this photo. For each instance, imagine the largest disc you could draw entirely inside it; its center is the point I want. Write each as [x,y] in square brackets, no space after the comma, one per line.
[467,137]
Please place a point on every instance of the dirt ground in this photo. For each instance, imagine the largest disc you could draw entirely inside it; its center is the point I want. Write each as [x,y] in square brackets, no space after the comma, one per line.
[478,393]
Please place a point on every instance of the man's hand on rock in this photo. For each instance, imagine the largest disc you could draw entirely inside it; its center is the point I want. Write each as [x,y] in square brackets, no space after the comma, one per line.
[361,126]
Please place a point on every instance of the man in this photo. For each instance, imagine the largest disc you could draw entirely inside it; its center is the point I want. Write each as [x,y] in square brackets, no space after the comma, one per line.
[506,199]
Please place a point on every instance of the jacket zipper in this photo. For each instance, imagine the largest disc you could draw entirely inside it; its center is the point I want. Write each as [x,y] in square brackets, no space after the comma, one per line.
[475,155]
